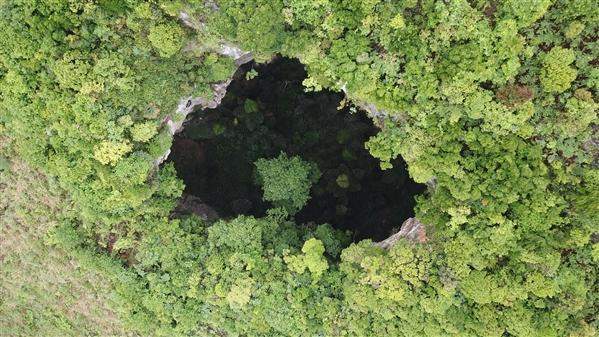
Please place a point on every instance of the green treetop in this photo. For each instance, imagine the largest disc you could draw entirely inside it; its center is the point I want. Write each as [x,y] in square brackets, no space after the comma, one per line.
[286,181]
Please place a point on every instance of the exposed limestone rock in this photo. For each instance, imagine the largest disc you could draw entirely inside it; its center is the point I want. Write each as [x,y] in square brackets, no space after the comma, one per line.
[377,115]
[191,22]
[412,229]
[240,56]
[188,104]
[224,48]
[161,159]
[373,111]
[192,204]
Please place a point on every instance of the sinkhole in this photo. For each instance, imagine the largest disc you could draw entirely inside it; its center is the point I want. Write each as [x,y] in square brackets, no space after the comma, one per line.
[266,111]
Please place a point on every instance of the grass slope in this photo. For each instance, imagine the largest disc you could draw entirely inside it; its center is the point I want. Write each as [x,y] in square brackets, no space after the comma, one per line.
[42,291]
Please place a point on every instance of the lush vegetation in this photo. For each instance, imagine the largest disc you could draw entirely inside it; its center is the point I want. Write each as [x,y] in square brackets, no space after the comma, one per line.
[492,103]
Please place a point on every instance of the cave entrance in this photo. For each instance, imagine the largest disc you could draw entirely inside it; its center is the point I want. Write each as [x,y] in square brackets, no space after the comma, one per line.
[266,111]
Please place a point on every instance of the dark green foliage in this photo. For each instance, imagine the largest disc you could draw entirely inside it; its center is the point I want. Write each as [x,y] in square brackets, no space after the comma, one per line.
[490,102]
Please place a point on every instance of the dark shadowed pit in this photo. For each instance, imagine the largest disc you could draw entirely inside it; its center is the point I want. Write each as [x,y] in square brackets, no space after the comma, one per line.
[269,112]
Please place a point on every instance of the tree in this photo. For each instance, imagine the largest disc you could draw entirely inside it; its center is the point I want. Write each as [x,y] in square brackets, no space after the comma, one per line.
[286,181]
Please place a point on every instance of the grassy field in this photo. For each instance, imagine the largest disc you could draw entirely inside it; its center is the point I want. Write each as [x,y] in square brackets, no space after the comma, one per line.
[42,291]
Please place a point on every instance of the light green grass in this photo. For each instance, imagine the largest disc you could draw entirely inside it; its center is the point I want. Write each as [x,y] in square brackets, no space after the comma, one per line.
[42,291]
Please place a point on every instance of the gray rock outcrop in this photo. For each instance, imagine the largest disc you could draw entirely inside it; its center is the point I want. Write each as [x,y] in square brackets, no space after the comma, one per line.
[411,229]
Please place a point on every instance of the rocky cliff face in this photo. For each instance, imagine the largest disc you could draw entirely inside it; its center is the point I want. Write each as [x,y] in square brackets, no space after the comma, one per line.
[187,105]
[412,229]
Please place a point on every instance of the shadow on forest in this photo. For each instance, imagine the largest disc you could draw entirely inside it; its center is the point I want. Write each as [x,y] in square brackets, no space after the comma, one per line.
[260,117]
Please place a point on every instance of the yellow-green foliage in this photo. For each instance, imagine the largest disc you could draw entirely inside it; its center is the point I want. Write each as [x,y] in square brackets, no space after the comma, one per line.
[143,132]
[109,153]
[311,259]
[557,74]
[167,38]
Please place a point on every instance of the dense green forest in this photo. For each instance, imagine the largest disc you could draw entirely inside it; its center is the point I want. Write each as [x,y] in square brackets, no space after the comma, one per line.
[479,116]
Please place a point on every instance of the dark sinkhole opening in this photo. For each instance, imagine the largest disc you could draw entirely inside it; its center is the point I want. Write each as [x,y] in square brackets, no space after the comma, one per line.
[265,112]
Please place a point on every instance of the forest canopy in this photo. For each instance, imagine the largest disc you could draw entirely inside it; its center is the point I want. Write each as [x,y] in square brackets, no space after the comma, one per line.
[491,104]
